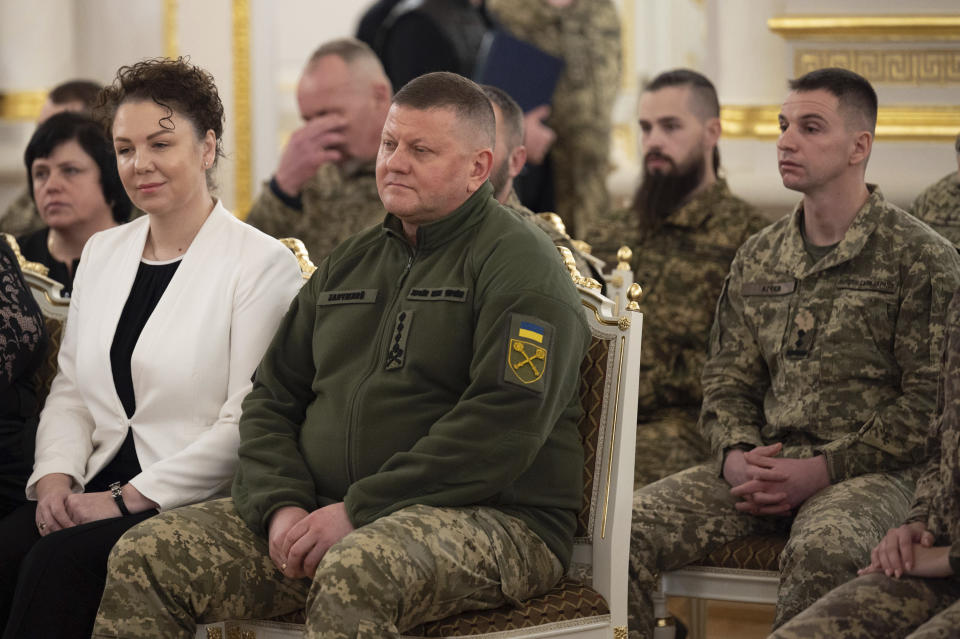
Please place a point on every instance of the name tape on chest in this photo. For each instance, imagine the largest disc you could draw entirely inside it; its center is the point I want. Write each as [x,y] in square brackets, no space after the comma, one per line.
[769,288]
[354,296]
[867,284]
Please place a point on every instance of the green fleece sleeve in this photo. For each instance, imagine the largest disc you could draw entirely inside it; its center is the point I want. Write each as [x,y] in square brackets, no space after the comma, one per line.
[493,434]
[271,472]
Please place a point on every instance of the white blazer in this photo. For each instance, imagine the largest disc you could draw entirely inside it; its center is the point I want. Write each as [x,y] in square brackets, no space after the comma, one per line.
[191,366]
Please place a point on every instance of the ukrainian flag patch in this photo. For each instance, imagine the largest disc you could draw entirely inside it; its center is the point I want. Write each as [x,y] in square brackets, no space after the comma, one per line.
[528,350]
[529,330]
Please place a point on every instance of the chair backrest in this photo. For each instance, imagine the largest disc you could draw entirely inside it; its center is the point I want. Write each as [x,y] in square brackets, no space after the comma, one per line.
[609,384]
[54,307]
[303,257]
[620,279]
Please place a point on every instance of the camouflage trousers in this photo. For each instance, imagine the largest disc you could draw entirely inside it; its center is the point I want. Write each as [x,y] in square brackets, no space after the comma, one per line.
[668,442]
[877,606]
[686,516]
[201,564]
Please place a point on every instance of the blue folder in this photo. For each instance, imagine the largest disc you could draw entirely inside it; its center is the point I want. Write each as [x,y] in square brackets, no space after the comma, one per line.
[528,74]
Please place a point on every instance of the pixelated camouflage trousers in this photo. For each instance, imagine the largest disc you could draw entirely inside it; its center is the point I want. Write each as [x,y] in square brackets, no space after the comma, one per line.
[686,516]
[201,564]
[877,607]
[667,444]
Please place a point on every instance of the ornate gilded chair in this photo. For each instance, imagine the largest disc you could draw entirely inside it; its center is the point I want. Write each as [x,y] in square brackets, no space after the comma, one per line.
[620,280]
[744,570]
[591,601]
[54,307]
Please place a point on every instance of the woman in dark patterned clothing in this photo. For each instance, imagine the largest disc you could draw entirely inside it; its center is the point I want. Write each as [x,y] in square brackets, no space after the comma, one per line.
[22,345]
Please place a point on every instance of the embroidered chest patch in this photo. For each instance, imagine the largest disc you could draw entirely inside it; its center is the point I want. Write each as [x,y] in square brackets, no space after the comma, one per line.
[443,294]
[528,348]
[397,351]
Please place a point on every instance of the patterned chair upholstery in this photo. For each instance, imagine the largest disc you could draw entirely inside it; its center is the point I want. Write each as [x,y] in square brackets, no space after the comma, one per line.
[743,570]
[54,307]
[590,602]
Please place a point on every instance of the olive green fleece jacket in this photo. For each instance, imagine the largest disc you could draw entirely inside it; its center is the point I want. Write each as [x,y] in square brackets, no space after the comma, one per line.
[443,375]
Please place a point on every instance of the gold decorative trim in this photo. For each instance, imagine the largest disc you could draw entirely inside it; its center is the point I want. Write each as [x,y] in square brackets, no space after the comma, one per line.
[299,250]
[613,440]
[21,105]
[889,28]
[241,108]
[171,43]
[915,123]
[214,633]
[887,66]
[24,263]
[600,319]
[620,632]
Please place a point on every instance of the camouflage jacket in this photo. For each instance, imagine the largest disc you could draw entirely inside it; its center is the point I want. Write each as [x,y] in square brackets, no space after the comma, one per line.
[558,237]
[586,35]
[937,500]
[21,216]
[335,205]
[680,267]
[939,206]
[841,356]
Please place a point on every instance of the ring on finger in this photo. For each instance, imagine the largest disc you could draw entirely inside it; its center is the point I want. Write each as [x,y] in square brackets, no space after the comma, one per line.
[41,525]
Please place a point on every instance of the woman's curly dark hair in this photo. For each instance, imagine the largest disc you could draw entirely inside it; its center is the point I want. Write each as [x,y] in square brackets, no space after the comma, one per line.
[175,85]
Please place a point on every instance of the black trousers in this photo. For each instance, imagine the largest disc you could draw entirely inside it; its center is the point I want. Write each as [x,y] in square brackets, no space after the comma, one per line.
[51,586]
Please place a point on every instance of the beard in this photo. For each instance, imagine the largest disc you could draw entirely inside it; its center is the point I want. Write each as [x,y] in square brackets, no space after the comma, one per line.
[499,177]
[660,194]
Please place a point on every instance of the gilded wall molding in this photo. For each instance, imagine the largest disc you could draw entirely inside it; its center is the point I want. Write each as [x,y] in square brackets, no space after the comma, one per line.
[171,43]
[886,66]
[887,28]
[241,108]
[21,105]
[915,123]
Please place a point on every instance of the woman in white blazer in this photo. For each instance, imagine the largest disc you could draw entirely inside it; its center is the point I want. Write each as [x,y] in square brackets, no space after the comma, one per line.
[169,318]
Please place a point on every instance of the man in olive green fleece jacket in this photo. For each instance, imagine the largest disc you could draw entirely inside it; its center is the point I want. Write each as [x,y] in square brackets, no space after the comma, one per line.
[409,449]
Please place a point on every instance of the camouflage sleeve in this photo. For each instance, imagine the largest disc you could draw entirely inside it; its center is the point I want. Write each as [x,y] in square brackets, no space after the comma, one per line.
[928,483]
[894,436]
[614,229]
[918,205]
[735,376]
[272,216]
[21,217]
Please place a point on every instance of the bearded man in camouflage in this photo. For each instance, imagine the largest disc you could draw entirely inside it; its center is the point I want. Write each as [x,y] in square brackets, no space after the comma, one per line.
[822,370]
[684,227]
[939,204]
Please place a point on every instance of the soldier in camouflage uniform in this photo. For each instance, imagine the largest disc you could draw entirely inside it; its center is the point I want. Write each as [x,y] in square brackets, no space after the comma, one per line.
[410,447]
[509,157]
[682,250]
[324,188]
[822,370]
[939,204]
[912,585]
[586,35]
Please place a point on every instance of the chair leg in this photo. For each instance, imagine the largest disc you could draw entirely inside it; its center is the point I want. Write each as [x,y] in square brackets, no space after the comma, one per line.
[698,619]
[664,626]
